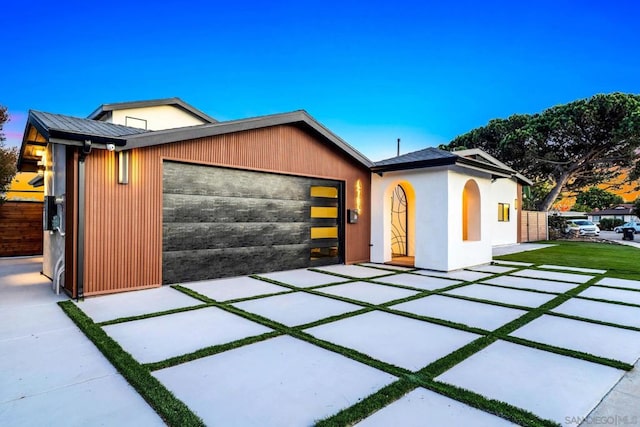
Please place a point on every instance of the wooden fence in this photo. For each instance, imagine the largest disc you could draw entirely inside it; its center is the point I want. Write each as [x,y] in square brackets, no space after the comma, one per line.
[533,226]
[20,228]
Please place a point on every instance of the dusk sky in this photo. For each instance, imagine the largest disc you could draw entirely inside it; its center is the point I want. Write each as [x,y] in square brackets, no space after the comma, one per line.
[370,71]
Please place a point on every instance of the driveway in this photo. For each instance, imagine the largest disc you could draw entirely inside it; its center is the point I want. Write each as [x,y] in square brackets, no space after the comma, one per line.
[50,374]
[482,346]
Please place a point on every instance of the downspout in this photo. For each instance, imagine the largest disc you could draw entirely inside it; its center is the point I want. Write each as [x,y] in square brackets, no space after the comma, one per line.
[86,149]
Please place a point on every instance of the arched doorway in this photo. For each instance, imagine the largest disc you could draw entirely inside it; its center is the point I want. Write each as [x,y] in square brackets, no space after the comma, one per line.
[399,223]
[471,212]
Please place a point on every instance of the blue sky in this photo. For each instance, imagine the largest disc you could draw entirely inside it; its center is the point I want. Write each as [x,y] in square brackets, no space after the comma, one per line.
[370,71]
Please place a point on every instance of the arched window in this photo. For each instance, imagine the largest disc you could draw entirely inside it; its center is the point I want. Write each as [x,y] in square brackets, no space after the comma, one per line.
[471,216]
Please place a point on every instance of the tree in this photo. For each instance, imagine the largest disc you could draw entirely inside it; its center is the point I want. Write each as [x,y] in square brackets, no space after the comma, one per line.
[8,157]
[567,147]
[596,198]
[636,207]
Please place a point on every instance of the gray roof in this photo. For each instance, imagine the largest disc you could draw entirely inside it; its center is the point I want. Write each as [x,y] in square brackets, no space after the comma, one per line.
[177,102]
[67,127]
[425,155]
[431,157]
[73,131]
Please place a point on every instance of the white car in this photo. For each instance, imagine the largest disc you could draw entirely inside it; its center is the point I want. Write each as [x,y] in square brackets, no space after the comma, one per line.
[582,227]
[634,225]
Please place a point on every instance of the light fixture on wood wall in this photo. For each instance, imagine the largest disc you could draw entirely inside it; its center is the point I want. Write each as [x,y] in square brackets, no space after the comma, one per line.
[123,167]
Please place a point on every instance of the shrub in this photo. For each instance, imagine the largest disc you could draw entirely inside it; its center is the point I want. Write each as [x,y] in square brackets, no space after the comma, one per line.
[610,223]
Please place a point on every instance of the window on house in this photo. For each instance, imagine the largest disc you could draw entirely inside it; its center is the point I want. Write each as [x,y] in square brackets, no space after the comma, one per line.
[503,212]
[596,218]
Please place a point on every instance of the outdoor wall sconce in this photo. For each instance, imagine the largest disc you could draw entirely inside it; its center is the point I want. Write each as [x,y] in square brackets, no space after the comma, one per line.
[358,196]
[123,167]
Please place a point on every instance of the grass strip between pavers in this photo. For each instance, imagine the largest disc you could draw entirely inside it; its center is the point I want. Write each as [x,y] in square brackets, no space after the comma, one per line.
[171,409]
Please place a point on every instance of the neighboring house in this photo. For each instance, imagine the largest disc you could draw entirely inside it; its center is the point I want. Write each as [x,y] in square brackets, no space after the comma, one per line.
[21,188]
[444,209]
[623,212]
[177,196]
[21,216]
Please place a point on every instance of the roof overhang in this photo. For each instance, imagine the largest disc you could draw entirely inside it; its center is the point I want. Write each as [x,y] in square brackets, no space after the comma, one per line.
[297,118]
[102,110]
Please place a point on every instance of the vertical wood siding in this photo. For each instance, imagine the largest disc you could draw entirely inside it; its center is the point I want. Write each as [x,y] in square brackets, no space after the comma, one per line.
[124,222]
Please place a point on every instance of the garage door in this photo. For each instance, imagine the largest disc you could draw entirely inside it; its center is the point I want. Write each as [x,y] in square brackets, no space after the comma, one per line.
[221,222]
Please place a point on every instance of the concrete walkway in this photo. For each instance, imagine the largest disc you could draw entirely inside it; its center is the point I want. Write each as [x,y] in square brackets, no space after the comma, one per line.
[50,373]
[516,248]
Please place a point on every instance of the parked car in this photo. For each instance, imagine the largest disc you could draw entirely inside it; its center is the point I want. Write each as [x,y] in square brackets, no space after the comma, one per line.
[634,225]
[582,227]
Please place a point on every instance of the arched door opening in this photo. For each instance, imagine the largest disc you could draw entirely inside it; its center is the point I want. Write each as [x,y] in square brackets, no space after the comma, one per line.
[400,227]
[471,215]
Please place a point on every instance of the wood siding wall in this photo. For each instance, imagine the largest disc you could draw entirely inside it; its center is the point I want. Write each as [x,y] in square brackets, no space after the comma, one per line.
[20,229]
[123,237]
[533,226]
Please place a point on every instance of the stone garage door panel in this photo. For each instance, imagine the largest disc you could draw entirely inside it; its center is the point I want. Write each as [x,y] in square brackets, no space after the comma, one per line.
[220,222]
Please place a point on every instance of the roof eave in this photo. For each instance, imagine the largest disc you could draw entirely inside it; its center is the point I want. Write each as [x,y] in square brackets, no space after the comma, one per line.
[419,164]
[104,108]
[221,128]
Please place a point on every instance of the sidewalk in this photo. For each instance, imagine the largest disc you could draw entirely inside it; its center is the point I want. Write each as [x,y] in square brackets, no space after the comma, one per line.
[50,373]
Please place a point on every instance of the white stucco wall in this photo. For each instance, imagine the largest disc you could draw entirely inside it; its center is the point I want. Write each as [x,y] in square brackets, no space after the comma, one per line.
[461,253]
[436,217]
[157,118]
[54,185]
[506,232]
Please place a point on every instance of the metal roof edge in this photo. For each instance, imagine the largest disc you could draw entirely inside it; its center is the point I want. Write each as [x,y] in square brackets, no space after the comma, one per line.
[220,128]
[98,112]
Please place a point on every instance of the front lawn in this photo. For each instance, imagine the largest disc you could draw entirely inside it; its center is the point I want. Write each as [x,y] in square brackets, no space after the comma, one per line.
[619,261]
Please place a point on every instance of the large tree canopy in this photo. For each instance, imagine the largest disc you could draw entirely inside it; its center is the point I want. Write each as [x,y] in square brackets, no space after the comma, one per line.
[567,147]
[8,156]
[596,198]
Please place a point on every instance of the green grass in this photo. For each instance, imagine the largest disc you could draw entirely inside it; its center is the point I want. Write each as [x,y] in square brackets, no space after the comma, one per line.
[619,261]
[172,410]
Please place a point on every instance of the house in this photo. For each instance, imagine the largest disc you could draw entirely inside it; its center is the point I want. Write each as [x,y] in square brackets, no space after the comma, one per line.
[148,193]
[623,212]
[446,210]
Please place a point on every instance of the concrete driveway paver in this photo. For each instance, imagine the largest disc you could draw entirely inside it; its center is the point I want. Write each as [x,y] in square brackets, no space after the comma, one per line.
[106,400]
[605,341]
[619,283]
[234,288]
[553,275]
[387,266]
[470,313]
[296,308]
[368,292]
[577,269]
[530,283]
[514,263]
[34,365]
[110,307]
[278,382]
[304,278]
[504,295]
[426,283]
[490,268]
[462,275]
[549,385]
[355,271]
[621,295]
[159,338]
[22,321]
[423,407]
[603,311]
[407,343]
